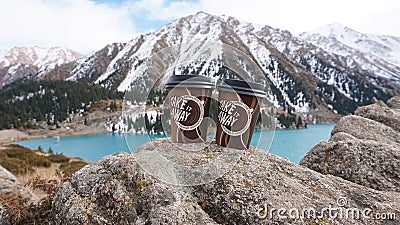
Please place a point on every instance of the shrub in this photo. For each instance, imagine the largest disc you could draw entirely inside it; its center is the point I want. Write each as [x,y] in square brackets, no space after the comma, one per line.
[15,166]
[69,168]
[58,158]
[20,160]
[27,155]
[15,205]
[40,212]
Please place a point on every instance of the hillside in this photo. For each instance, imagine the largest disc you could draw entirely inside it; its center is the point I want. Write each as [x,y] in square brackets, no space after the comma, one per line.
[40,104]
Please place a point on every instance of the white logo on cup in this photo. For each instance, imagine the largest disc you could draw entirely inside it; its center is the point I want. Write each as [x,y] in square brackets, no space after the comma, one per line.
[181,111]
[229,116]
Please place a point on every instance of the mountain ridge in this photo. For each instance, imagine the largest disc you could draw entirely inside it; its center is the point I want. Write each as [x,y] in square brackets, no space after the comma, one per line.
[380,51]
[19,62]
[305,78]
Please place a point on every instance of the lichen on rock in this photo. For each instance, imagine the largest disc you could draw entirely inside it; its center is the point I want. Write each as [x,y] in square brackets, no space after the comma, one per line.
[117,190]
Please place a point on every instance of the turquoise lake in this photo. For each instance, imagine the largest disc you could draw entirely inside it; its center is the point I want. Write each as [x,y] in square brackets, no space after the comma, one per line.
[291,144]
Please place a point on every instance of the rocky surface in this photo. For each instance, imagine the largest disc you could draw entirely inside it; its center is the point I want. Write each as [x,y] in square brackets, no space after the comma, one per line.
[118,191]
[364,148]
[239,187]
[394,102]
[3,215]
[11,190]
[10,185]
[386,115]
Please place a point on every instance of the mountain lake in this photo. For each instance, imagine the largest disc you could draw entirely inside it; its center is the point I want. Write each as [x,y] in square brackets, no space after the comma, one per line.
[291,144]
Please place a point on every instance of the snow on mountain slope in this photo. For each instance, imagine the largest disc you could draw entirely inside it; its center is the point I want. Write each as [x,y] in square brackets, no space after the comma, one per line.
[378,54]
[96,61]
[384,46]
[19,62]
[304,77]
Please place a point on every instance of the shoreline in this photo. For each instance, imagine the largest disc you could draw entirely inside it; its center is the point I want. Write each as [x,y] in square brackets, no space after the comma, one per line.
[29,137]
[15,135]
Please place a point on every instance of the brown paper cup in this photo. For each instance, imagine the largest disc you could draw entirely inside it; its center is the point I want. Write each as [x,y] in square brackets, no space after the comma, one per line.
[238,109]
[189,102]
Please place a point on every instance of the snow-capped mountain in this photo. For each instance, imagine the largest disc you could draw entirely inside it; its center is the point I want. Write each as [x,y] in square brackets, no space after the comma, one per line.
[19,62]
[377,54]
[305,76]
[316,74]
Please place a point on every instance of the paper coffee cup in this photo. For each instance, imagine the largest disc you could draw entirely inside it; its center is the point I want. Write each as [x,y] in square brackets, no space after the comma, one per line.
[189,102]
[238,109]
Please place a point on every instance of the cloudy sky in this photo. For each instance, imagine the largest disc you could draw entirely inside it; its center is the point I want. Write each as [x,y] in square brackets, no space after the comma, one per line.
[88,25]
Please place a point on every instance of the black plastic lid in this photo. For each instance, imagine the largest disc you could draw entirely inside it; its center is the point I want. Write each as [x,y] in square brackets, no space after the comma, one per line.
[195,81]
[242,87]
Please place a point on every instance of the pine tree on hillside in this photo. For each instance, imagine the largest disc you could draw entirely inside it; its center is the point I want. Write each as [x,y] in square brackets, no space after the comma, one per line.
[147,123]
[27,103]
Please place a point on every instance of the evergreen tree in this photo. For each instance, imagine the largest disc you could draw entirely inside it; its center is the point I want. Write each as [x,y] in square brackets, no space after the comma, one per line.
[299,122]
[114,128]
[147,123]
[157,126]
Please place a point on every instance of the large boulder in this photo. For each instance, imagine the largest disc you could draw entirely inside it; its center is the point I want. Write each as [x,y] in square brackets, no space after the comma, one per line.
[118,191]
[364,148]
[10,186]
[385,115]
[239,187]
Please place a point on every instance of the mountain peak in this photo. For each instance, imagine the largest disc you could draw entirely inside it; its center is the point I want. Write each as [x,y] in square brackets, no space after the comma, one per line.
[382,48]
[335,30]
[202,13]
[198,15]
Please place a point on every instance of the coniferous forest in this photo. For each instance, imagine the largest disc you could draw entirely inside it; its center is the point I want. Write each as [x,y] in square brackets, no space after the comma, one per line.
[32,103]
[25,104]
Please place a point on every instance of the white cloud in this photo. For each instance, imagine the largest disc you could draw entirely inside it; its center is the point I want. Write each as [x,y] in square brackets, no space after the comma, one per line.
[84,25]
[80,25]
[368,16]
[163,10]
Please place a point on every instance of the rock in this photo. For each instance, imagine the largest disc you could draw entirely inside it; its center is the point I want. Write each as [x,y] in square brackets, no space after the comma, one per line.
[377,101]
[3,215]
[386,115]
[394,102]
[10,190]
[238,188]
[366,129]
[364,148]
[118,191]
[9,185]
[369,163]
